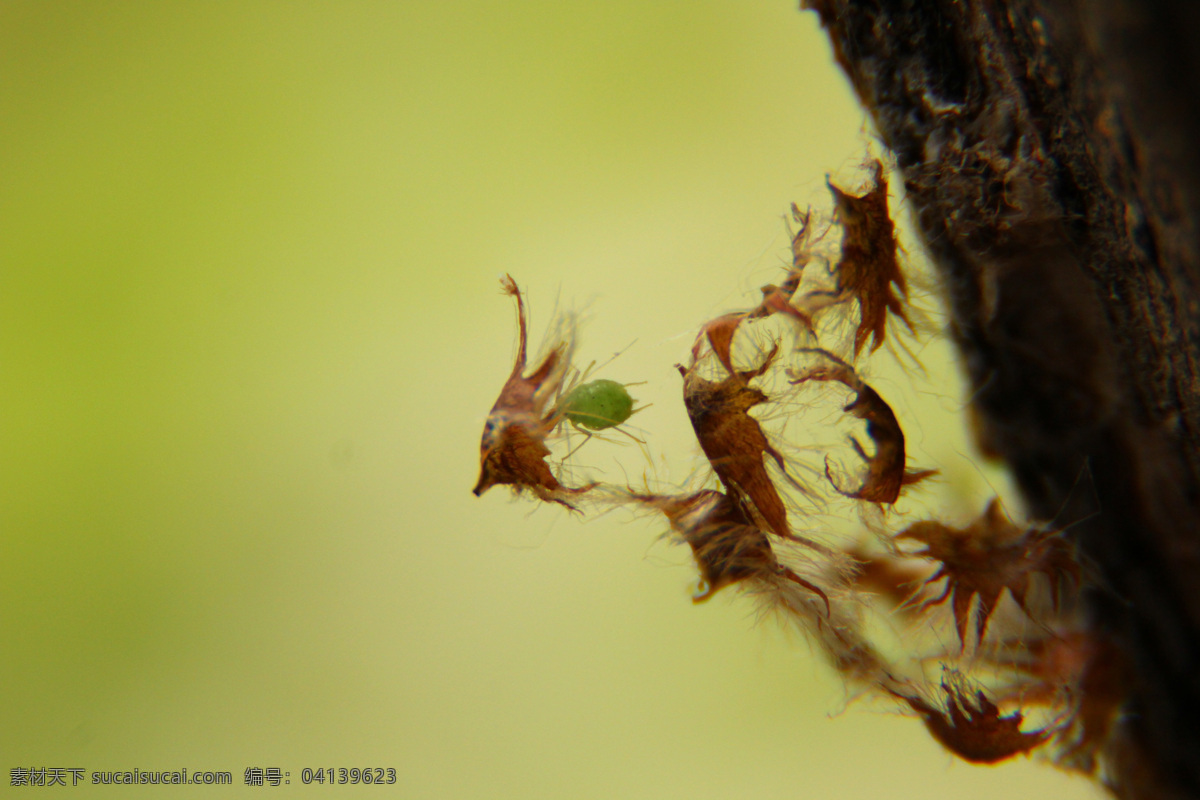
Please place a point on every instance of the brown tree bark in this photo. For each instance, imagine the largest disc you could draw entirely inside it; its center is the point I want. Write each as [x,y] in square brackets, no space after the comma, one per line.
[1049,151]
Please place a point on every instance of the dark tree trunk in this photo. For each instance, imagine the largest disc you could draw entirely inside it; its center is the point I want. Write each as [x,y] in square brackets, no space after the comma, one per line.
[1049,150]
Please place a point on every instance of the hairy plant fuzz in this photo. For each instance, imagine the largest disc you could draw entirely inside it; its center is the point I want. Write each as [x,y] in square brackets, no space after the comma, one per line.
[989,679]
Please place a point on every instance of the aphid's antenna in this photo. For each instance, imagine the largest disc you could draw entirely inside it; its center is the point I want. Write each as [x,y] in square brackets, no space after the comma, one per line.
[613,358]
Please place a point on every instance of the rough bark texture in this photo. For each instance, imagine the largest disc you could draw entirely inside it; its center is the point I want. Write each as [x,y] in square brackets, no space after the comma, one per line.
[1049,152]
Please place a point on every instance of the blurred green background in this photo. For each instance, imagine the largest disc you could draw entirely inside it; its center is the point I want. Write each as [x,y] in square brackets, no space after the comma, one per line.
[250,328]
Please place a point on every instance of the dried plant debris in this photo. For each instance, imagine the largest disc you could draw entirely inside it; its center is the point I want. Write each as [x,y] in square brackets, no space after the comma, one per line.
[972,728]
[730,549]
[735,444]
[728,546]
[869,268]
[809,292]
[886,472]
[988,556]
[513,449]
[776,300]
[801,241]
[719,333]
[871,603]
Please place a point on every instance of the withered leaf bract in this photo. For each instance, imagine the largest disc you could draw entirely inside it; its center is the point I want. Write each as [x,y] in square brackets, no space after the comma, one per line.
[973,728]
[885,470]
[741,532]
[987,557]
[776,300]
[513,449]
[727,545]
[868,268]
[735,444]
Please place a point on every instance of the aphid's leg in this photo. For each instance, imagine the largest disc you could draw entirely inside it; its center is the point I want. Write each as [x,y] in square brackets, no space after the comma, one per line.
[917,599]
[641,443]
[630,435]
[586,436]
[616,427]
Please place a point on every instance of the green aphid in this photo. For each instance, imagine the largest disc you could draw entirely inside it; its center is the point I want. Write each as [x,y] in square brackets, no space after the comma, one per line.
[597,405]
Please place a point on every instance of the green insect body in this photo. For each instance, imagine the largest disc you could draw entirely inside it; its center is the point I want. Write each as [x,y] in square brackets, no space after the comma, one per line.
[597,405]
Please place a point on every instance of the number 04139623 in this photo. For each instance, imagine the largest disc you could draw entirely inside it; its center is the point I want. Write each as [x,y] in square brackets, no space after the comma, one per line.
[348,775]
